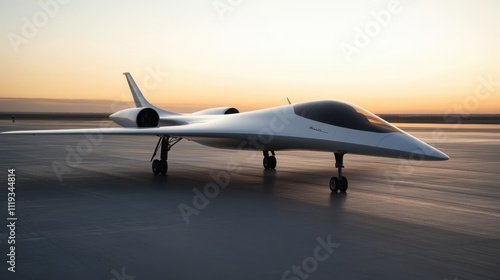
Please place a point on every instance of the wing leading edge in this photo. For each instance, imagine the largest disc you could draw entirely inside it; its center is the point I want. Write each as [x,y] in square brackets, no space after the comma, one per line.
[185,131]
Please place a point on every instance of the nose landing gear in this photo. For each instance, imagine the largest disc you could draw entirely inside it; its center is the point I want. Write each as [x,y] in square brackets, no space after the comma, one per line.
[269,162]
[339,183]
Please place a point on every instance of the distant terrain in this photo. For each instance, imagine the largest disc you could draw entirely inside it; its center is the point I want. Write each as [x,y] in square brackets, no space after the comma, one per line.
[435,118]
[393,118]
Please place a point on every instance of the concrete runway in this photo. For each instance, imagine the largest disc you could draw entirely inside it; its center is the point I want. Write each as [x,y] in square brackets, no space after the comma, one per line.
[111,218]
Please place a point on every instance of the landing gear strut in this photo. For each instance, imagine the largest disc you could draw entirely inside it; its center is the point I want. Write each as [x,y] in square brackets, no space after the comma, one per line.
[339,183]
[166,143]
[269,162]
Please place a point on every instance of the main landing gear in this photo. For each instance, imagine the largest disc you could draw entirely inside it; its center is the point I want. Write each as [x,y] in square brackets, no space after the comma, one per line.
[269,162]
[166,143]
[339,183]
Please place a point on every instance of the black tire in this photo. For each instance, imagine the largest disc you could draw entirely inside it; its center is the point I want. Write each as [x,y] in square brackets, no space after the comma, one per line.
[343,184]
[266,162]
[156,166]
[164,166]
[334,184]
[272,162]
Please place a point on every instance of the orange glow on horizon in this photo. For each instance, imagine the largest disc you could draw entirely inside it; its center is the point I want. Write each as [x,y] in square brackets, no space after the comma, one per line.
[185,55]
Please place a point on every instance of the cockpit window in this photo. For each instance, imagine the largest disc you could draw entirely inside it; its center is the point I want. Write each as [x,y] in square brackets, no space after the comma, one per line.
[343,115]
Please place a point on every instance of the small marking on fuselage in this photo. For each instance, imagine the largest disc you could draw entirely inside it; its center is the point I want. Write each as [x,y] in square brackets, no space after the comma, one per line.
[318,129]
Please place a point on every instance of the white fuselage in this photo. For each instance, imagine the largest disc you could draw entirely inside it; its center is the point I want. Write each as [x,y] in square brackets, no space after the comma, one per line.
[280,128]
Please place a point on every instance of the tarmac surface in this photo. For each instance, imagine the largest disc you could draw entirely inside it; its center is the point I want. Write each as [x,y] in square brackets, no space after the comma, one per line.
[90,208]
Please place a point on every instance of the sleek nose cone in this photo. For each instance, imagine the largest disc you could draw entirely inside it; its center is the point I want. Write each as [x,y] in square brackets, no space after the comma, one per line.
[409,147]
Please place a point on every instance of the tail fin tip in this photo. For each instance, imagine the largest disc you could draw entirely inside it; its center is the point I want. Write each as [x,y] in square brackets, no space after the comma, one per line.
[139,99]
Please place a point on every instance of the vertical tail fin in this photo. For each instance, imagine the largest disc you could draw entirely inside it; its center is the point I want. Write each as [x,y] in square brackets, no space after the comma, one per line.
[139,99]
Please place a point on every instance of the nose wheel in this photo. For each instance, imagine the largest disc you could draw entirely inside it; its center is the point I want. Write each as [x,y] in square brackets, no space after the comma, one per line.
[165,143]
[159,166]
[269,162]
[339,183]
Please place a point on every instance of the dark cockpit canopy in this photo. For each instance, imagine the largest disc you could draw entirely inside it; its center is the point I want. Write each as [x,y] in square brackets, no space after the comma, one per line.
[343,115]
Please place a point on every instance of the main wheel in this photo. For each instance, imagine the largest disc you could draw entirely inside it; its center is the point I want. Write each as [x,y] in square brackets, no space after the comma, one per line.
[343,184]
[266,162]
[156,166]
[334,184]
[164,166]
[272,162]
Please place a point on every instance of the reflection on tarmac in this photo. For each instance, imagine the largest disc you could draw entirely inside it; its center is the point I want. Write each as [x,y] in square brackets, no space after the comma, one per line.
[399,219]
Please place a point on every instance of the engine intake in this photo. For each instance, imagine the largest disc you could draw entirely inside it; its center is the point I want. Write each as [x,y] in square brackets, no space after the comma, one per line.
[218,111]
[147,117]
[136,117]
[231,111]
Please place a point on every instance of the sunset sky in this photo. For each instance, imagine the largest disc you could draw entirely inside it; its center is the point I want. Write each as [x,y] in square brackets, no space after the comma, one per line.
[412,57]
